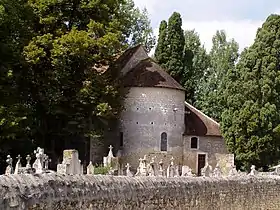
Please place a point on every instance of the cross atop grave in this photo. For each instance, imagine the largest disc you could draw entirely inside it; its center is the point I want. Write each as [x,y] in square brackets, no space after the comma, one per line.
[110,154]
[28,159]
[39,162]
[46,160]
[161,172]
[18,165]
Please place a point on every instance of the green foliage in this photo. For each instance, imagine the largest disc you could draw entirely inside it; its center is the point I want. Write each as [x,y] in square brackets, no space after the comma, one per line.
[196,62]
[162,45]
[102,170]
[210,95]
[175,50]
[181,54]
[52,55]
[251,122]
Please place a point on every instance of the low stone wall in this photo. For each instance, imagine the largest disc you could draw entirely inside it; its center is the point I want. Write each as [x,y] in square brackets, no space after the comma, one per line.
[59,192]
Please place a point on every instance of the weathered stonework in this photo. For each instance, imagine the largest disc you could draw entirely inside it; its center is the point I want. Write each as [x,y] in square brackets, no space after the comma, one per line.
[213,146]
[58,192]
[148,113]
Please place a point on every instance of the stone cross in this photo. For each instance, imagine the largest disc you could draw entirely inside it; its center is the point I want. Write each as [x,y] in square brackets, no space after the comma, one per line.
[128,172]
[152,171]
[171,171]
[9,169]
[161,171]
[18,164]
[28,159]
[39,162]
[46,160]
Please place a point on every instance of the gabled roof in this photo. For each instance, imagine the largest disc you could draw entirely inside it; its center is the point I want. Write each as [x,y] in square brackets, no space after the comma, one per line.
[199,124]
[147,73]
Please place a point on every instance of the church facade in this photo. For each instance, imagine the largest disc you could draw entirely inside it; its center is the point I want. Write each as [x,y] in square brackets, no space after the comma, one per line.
[157,122]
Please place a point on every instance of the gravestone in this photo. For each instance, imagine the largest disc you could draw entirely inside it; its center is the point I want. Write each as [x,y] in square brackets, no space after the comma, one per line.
[253,170]
[217,172]
[206,171]
[39,162]
[161,170]
[233,171]
[90,168]
[18,165]
[9,168]
[128,172]
[171,171]
[70,164]
[186,171]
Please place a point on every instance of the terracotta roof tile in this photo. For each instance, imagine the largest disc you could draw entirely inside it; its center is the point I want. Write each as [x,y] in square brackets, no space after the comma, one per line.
[199,124]
[147,73]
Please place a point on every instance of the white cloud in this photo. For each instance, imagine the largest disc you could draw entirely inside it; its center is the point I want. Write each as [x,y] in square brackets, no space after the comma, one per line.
[243,31]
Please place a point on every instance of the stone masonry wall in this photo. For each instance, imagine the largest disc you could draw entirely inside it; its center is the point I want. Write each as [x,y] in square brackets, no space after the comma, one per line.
[148,113]
[58,192]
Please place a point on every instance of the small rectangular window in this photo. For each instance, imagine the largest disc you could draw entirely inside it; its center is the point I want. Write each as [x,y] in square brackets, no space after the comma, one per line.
[194,143]
[121,139]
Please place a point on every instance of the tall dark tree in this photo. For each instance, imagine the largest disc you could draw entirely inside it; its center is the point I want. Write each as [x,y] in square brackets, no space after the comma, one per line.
[162,46]
[251,123]
[223,55]
[196,62]
[175,50]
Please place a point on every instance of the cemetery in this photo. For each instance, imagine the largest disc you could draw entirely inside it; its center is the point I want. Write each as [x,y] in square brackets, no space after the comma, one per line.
[153,186]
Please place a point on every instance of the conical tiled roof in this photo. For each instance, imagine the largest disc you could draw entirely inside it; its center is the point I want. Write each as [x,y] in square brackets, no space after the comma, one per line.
[147,73]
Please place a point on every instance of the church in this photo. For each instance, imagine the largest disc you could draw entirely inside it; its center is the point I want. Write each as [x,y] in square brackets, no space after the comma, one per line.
[157,122]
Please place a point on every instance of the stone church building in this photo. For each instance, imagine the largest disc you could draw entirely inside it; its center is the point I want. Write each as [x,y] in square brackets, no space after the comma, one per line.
[157,122]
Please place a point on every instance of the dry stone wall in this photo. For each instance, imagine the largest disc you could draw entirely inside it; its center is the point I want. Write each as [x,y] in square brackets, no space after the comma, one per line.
[61,192]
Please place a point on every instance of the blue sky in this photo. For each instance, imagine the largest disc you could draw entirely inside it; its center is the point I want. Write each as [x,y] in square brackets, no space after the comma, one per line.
[239,18]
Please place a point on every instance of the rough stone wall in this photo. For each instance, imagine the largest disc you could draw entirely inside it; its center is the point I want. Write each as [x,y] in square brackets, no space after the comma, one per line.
[209,145]
[149,112]
[54,192]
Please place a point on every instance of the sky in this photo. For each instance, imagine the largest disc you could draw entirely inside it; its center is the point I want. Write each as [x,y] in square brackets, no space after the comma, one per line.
[239,18]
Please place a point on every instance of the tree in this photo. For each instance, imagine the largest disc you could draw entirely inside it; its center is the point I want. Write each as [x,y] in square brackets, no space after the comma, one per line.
[54,77]
[251,122]
[223,56]
[162,46]
[196,62]
[175,51]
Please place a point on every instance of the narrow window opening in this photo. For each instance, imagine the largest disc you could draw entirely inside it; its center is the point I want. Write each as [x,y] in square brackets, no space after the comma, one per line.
[136,122]
[163,142]
[194,143]
[121,139]
[152,123]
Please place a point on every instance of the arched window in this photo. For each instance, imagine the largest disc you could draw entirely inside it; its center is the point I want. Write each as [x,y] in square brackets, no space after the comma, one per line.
[194,143]
[163,141]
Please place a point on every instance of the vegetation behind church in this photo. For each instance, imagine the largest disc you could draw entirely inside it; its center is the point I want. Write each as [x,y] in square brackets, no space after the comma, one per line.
[241,92]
